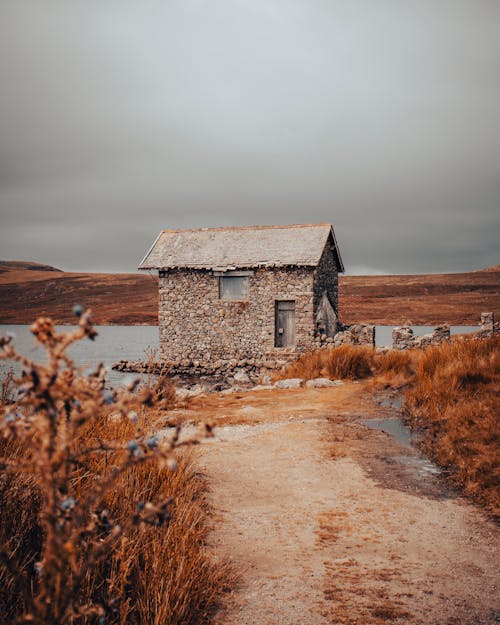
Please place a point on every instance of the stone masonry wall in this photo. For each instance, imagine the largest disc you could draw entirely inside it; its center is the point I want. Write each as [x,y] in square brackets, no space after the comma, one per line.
[200,331]
[326,278]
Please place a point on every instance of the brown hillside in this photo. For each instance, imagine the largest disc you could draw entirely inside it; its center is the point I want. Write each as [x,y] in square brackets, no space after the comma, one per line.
[26,293]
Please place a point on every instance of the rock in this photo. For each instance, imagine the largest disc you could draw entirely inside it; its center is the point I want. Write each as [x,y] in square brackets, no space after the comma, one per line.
[262,387]
[289,383]
[197,389]
[241,377]
[320,383]
[181,393]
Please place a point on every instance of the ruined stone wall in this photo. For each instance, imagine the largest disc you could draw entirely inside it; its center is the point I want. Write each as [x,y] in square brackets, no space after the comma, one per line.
[403,337]
[326,278]
[488,326]
[200,331]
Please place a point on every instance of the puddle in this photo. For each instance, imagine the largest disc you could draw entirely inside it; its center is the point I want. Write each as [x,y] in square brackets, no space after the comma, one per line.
[396,429]
[421,466]
[395,401]
[416,467]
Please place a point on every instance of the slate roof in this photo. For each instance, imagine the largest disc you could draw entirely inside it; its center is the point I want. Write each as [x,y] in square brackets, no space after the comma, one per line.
[223,249]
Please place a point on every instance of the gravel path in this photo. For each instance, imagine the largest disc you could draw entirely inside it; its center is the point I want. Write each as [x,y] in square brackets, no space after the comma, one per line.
[326,523]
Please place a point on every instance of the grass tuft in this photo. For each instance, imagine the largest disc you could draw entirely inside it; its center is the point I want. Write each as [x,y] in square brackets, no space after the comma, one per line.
[455,398]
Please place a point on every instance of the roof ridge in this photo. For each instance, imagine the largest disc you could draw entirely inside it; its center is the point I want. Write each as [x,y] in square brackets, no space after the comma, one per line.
[266,227]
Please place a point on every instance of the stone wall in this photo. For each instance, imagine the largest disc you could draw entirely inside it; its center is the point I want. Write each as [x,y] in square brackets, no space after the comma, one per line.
[403,337]
[358,334]
[488,325]
[200,332]
[326,280]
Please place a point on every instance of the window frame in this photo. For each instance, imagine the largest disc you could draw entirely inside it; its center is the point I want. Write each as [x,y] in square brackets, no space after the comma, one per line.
[243,294]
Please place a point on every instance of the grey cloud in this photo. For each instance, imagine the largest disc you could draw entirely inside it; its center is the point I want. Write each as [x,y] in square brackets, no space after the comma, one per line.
[119,118]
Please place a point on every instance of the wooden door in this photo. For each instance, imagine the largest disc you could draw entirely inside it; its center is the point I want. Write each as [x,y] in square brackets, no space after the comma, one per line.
[285,324]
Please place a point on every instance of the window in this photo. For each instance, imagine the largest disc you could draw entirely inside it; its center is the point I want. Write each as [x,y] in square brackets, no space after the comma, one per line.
[233,287]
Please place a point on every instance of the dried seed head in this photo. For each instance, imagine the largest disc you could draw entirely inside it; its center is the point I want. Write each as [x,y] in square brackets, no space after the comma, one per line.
[78,310]
[107,397]
[152,442]
[67,504]
[132,416]
[172,464]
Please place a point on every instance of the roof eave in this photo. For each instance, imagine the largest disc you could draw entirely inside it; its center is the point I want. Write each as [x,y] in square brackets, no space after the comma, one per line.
[142,263]
[341,268]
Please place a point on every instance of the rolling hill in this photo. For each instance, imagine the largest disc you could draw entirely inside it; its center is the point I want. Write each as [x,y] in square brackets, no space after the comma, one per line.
[28,290]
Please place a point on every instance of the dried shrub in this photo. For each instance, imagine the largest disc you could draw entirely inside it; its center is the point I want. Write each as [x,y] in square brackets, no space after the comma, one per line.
[102,520]
[396,368]
[455,398]
[348,361]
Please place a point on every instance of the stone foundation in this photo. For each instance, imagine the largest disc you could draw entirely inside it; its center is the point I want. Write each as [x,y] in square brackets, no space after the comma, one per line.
[254,368]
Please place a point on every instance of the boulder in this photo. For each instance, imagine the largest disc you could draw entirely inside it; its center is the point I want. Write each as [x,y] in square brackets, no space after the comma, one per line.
[289,383]
[320,383]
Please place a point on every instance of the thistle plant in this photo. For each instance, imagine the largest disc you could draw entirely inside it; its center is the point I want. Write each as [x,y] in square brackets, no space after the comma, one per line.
[73,444]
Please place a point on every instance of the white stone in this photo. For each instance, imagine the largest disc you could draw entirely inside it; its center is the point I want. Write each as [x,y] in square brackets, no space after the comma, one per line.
[289,383]
[198,389]
[181,393]
[320,383]
[241,377]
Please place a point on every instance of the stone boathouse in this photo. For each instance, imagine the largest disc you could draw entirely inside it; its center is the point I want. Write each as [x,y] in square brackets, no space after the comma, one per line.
[244,296]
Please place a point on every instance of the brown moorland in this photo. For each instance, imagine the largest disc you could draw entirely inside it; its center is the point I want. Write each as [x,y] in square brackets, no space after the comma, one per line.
[28,290]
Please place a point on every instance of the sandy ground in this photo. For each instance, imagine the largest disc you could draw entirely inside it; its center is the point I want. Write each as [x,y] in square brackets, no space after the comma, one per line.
[328,521]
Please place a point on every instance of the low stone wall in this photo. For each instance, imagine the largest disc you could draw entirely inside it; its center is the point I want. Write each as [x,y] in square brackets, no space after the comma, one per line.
[488,325]
[254,368]
[358,334]
[403,337]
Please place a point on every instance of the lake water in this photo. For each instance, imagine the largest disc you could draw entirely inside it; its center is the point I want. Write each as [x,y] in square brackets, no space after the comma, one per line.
[112,343]
[130,342]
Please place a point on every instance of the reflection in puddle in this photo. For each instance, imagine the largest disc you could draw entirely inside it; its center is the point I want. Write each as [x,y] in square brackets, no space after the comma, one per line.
[394,427]
[395,401]
[401,434]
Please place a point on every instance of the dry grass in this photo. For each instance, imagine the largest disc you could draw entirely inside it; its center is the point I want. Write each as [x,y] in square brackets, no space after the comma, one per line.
[347,362]
[354,363]
[102,521]
[455,398]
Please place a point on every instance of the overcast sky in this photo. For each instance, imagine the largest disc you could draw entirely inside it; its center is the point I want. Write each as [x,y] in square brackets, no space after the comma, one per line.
[119,118]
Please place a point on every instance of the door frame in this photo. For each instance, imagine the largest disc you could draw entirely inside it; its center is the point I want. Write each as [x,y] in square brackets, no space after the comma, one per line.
[281,306]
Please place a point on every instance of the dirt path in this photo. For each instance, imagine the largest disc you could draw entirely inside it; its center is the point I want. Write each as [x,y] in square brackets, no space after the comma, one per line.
[328,521]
